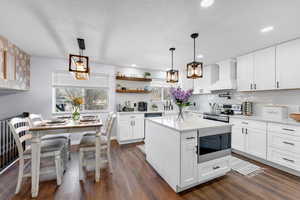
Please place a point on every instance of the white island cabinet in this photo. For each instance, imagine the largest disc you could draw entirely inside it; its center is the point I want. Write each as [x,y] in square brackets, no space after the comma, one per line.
[171,149]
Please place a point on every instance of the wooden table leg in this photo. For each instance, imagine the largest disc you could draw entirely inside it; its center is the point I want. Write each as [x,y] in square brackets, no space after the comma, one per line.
[98,155]
[35,164]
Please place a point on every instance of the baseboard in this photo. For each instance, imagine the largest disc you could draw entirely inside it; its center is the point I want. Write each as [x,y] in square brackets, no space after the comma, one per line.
[266,162]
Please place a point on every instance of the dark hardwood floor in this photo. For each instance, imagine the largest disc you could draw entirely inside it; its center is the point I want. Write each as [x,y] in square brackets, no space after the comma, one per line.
[134,179]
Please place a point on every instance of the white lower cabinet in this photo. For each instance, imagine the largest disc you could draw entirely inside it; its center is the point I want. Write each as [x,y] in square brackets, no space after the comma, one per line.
[192,172]
[284,145]
[189,165]
[130,128]
[284,158]
[250,137]
[256,142]
[214,168]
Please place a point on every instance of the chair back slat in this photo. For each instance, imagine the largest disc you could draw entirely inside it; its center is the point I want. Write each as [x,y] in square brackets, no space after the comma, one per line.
[19,128]
[110,125]
[106,123]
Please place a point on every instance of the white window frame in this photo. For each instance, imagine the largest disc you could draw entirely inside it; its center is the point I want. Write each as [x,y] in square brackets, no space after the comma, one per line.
[162,94]
[83,111]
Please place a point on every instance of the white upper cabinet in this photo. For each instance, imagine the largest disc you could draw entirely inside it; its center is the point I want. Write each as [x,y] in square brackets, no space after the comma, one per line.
[264,69]
[288,65]
[256,71]
[245,72]
[210,76]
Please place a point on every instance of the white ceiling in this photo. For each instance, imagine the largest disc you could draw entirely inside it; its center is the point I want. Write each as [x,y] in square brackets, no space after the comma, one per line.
[123,32]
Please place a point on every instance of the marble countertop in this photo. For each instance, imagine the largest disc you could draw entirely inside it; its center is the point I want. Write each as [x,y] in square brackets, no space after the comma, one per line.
[287,121]
[141,112]
[189,124]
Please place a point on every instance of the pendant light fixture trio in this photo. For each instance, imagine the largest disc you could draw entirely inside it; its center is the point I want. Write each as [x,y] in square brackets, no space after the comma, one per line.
[172,74]
[194,69]
[79,64]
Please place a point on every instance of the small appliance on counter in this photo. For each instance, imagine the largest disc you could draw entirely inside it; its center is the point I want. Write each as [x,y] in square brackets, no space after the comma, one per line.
[247,108]
[275,112]
[142,106]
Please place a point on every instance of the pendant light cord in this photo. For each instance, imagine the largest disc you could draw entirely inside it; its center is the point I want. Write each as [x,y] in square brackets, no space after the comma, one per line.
[194,50]
[172,58]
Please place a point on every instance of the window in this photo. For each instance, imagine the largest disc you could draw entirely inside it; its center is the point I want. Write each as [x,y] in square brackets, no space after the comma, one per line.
[95,99]
[160,94]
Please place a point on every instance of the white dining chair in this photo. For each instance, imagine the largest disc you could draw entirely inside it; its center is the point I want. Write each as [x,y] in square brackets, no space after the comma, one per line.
[37,119]
[88,145]
[104,127]
[49,149]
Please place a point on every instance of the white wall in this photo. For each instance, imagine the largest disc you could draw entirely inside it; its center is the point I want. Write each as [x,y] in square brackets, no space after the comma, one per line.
[39,98]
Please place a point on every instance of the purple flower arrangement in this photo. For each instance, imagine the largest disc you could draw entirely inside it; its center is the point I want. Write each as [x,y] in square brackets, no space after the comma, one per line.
[181,97]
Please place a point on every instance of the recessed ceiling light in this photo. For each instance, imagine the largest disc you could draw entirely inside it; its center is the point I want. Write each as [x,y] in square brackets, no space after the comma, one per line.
[200,56]
[133,65]
[267,29]
[207,3]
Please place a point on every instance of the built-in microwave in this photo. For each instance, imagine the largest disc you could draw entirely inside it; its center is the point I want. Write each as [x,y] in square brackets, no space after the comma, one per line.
[213,146]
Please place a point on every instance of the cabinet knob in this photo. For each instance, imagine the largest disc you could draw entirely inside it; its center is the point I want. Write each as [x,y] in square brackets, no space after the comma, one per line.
[277,84]
[216,167]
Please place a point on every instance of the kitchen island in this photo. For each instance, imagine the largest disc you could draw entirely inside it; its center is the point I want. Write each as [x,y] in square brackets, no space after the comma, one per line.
[187,153]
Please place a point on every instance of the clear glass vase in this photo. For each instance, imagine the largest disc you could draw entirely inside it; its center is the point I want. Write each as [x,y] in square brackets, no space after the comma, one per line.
[76,113]
[180,113]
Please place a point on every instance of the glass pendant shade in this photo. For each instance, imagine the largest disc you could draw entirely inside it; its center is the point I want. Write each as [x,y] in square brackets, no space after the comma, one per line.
[79,65]
[172,74]
[194,69]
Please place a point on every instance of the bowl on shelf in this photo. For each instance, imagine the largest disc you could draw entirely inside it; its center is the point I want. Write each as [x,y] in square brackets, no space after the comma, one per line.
[295,116]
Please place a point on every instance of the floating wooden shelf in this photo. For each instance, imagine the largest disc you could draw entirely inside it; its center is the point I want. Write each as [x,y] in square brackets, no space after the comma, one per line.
[133,91]
[133,79]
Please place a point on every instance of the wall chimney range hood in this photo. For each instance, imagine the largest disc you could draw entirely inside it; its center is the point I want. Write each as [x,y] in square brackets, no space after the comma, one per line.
[227,76]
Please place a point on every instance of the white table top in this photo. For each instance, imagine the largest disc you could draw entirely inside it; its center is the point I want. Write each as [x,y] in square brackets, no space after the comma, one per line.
[190,123]
[67,125]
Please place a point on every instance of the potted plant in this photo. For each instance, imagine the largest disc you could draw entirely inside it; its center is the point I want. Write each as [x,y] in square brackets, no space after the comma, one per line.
[147,75]
[181,99]
[76,103]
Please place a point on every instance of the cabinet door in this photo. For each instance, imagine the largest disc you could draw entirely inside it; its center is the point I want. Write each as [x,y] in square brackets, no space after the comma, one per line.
[264,69]
[288,65]
[245,72]
[238,138]
[138,129]
[256,142]
[125,130]
[189,165]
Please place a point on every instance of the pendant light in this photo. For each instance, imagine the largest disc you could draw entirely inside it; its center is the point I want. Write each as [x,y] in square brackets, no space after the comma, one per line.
[79,64]
[195,69]
[172,75]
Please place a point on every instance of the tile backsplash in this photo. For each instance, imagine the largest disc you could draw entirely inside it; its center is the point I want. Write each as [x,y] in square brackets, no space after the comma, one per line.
[289,98]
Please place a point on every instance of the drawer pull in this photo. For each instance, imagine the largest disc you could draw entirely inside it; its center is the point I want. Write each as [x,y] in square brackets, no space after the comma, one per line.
[216,167]
[190,138]
[244,122]
[289,143]
[288,129]
[289,160]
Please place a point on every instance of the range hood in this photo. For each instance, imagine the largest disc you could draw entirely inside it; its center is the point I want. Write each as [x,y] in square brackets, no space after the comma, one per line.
[227,76]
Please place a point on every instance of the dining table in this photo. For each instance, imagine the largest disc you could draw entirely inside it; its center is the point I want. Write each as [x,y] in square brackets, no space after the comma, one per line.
[69,126]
